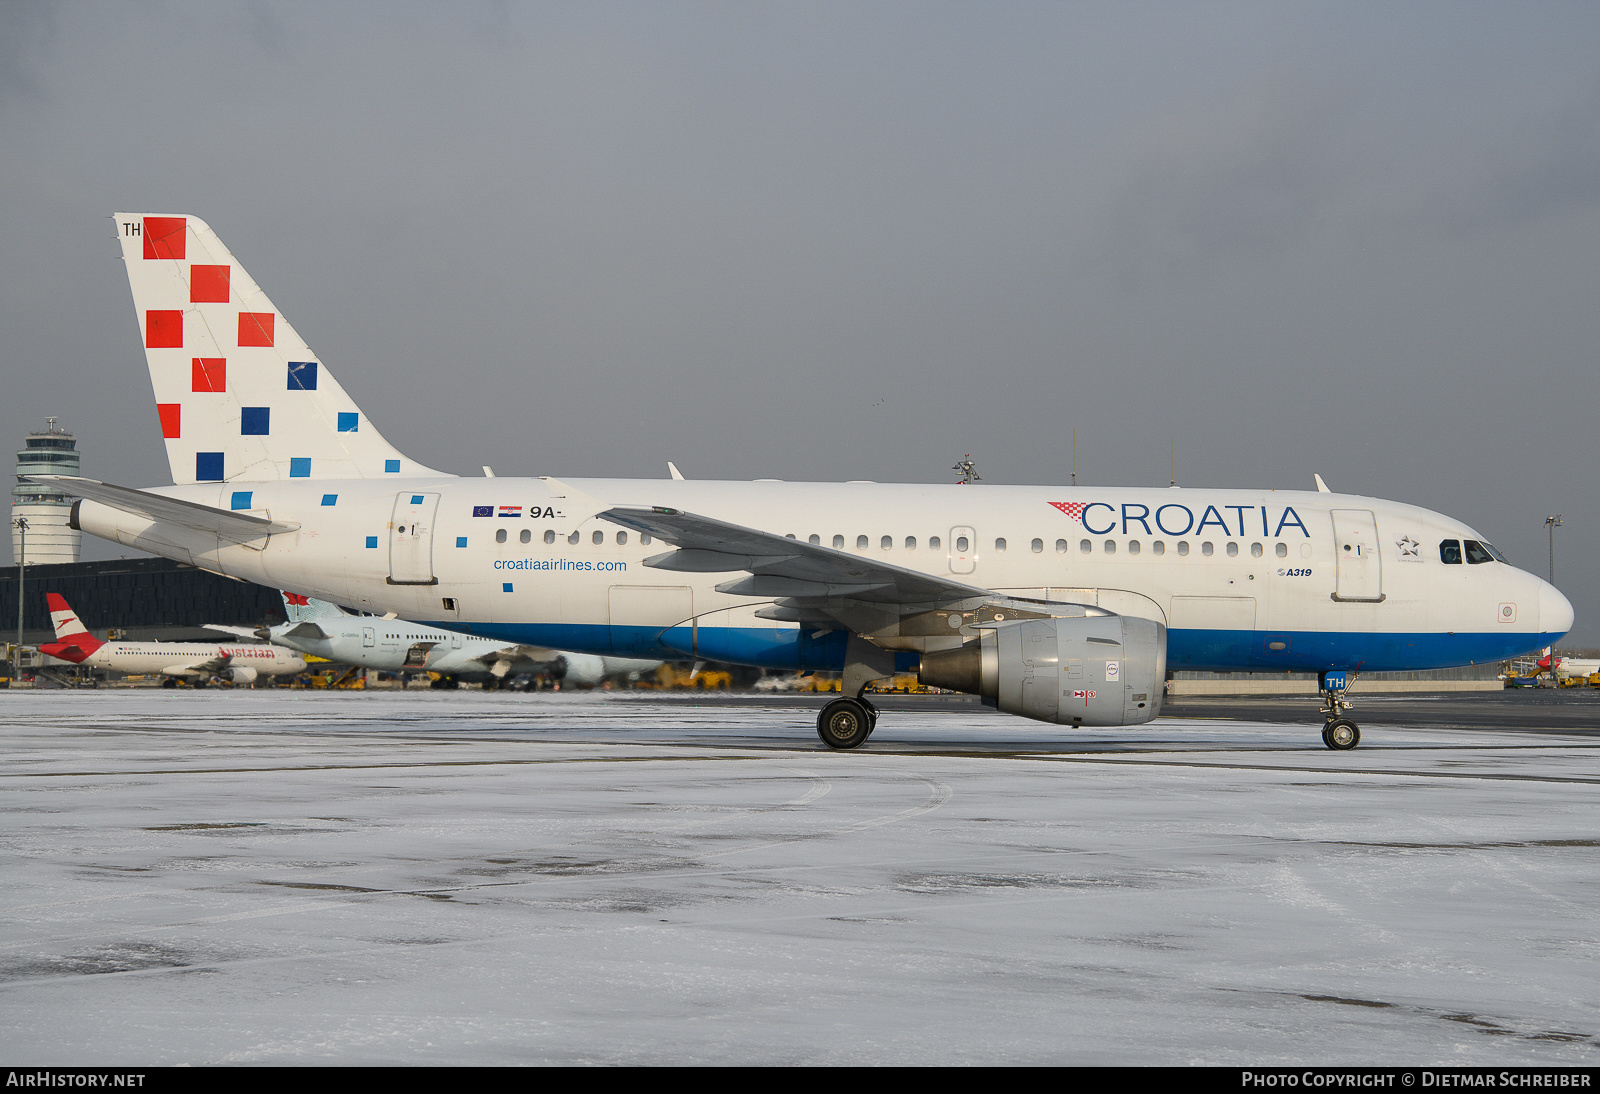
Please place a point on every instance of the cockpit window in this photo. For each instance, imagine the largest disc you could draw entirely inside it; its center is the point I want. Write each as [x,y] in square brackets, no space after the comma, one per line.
[1476,554]
[1495,551]
[1450,552]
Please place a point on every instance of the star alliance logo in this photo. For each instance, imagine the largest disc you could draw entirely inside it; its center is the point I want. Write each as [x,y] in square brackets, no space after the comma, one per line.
[1409,548]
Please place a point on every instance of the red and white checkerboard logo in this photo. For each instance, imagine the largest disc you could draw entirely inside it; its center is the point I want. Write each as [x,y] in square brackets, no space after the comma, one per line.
[1073,509]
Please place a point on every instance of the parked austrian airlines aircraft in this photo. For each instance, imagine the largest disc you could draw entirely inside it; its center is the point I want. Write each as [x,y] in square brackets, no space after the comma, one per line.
[396,645]
[1062,604]
[1566,668]
[199,661]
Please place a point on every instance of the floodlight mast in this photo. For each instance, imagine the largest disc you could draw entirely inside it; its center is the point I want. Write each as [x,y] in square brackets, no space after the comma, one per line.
[1553,523]
[21,524]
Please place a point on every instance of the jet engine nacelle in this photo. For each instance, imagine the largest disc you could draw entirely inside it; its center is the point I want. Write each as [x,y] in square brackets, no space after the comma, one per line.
[582,670]
[1091,670]
[242,674]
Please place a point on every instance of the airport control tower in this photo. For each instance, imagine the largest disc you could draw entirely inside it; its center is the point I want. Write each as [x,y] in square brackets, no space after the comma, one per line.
[52,452]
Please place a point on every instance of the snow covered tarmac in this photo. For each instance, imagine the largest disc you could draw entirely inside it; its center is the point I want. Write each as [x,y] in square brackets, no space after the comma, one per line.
[460,877]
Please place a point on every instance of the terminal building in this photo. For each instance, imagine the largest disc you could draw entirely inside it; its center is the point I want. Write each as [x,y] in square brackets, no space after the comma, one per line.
[152,599]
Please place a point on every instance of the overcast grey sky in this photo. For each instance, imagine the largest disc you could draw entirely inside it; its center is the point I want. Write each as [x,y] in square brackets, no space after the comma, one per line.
[813,241]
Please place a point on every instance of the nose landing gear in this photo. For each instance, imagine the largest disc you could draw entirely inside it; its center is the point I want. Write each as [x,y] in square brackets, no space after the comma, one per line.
[1339,733]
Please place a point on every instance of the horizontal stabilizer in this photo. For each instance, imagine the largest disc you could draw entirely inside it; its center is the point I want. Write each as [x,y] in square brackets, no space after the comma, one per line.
[242,632]
[160,508]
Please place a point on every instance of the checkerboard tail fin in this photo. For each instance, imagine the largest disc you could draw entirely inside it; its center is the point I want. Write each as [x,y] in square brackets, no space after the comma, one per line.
[239,394]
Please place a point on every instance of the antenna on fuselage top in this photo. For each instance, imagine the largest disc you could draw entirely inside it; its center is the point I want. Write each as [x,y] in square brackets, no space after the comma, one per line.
[1173,456]
[1074,455]
[969,470]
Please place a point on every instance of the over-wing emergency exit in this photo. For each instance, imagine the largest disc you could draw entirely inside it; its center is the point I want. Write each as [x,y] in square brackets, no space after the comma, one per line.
[1064,604]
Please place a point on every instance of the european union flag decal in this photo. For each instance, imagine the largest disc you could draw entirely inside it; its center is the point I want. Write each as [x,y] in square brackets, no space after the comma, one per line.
[483,510]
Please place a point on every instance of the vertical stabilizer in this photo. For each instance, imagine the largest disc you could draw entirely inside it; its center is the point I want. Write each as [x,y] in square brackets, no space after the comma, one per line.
[307,609]
[69,628]
[239,394]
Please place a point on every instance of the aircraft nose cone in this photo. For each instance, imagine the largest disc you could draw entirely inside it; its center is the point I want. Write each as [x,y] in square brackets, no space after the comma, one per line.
[1555,610]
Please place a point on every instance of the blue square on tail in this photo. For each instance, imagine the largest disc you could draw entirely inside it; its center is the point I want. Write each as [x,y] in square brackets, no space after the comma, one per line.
[372,541]
[254,421]
[391,467]
[300,467]
[461,541]
[241,499]
[302,376]
[330,499]
[349,420]
[208,466]
[506,587]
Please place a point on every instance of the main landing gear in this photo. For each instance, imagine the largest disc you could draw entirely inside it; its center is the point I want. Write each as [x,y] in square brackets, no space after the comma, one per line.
[846,723]
[1340,733]
[849,720]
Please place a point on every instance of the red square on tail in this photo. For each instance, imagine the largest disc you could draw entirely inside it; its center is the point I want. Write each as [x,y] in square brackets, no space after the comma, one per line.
[208,284]
[255,328]
[210,374]
[163,329]
[165,237]
[171,419]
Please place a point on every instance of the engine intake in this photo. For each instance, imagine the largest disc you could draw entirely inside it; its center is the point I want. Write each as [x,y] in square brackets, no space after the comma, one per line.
[1090,671]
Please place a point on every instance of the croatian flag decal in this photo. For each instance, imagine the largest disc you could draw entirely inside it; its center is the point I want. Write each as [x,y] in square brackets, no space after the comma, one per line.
[1073,509]
[511,510]
[483,510]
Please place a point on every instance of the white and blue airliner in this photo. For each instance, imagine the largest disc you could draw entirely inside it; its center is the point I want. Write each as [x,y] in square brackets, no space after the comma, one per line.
[1069,605]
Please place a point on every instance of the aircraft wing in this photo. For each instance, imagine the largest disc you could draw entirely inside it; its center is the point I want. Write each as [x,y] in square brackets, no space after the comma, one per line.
[159,507]
[511,659]
[780,567]
[208,666]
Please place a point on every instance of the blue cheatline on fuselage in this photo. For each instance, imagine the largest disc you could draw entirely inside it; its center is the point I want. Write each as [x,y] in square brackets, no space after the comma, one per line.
[1199,650]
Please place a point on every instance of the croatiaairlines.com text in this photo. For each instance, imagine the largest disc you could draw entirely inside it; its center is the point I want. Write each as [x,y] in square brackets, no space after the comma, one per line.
[555,564]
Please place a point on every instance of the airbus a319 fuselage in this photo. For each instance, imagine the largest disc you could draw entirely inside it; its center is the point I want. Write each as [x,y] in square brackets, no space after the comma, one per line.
[1069,605]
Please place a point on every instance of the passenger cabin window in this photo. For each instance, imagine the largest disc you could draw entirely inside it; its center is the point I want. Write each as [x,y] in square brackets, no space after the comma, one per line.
[622,538]
[598,538]
[911,543]
[1206,548]
[549,535]
[1037,546]
[933,543]
[526,536]
[1111,546]
[1450,552]
[838,543]
[1084,546]
[1133,546]
[644,538]
[1158,547]
[1061,546]
[1233,550]
[1255,550]
[814,539]
[861,543]
[999,545]
[1476,555]
[887,543]
[573,538]
[499,535]
[1183,546]
[1281,550]
[962,545]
